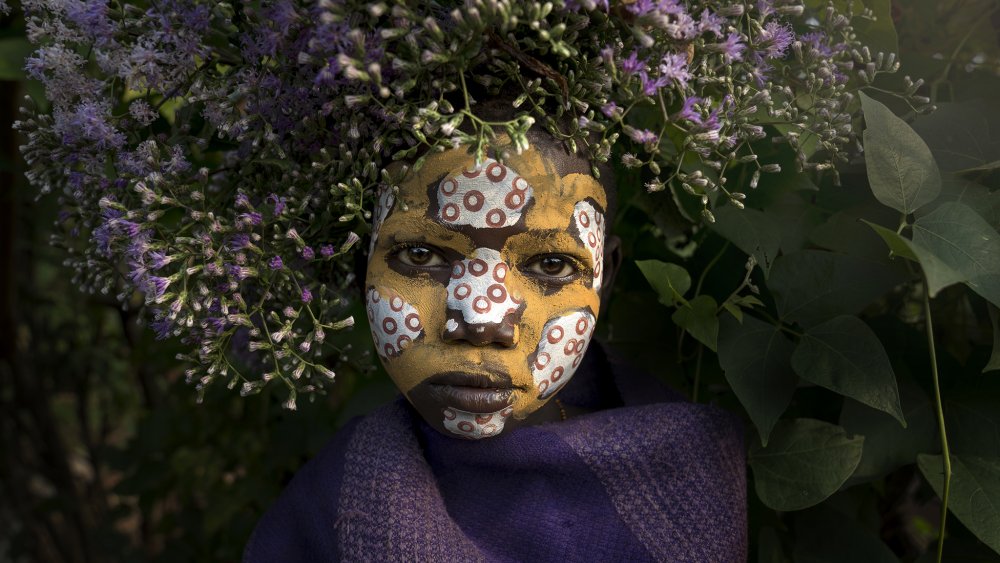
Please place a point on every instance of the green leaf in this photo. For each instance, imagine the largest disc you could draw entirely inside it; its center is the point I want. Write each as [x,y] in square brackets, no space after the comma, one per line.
[958,237]
[959,136]
[751,231]
[901,169]
[700,317]
[888,446]
[812,286]
[806,461]
[826,535]
[756,357]
[670,281]
[975,492]
[939,275]
[845,356]
[13,51]
[994,363]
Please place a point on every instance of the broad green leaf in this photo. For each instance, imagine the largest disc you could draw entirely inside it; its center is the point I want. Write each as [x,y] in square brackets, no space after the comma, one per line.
[845,231]
[756,359]
[700,317]
[812,286]
[975,196]
[826,535]
[901,169]
[975,492]
[994,363]
[846,357]
[13,51]
[889,446]
[806,461]
[959,136]
[670,281]
[751,231]
[939,275]
[958,237]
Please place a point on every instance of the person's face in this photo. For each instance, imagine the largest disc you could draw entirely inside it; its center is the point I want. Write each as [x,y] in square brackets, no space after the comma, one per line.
[483,286]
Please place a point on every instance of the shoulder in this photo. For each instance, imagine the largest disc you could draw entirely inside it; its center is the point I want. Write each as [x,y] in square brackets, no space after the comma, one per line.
[301,524]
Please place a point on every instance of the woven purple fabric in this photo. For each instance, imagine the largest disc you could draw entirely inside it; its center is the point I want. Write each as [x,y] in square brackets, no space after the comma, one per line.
[645,481]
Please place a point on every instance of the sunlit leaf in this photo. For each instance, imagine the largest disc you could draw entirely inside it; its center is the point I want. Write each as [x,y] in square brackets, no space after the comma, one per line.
[901,169]
[806,461]
[669,280]
[700,318]
[845,356]
[756,358]
[975,492]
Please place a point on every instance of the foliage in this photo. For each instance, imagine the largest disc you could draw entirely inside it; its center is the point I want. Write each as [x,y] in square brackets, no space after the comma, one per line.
[850,323]
[172,123]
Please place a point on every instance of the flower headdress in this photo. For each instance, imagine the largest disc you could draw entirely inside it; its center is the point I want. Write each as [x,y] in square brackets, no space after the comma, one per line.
[220,157]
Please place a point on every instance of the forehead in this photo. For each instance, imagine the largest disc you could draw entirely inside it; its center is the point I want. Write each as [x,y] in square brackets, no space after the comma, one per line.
[551,195]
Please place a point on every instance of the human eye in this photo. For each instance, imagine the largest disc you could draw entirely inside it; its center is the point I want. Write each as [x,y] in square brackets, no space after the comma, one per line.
[552,267]
[419,256]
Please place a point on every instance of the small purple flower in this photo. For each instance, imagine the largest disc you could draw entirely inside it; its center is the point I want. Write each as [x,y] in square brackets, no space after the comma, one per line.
[732,48]
[777,38]
[161,327]
[651,86]
[252,218]
[641,135]
[611,109]
[327,250]
[308,253]
[687,111]
[276,263]
[238,242]
[674,66]
[633,64]
[243,202]
[307,295]
[710,22]
[279,203]
[158,259]
[765,7]
[156,286]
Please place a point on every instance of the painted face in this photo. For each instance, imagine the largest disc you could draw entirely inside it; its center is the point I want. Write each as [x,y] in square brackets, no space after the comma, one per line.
[483,286]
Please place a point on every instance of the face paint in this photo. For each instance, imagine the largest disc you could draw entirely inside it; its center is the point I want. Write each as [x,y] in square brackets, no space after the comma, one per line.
[497,269]
[560,351]
[395,323]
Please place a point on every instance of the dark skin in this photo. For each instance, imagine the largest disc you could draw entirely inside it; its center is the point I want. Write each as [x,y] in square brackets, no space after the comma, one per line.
[568,163]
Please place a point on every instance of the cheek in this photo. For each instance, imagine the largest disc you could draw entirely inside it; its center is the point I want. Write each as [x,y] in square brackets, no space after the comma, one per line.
[589,223]
[395,323]
[559,351]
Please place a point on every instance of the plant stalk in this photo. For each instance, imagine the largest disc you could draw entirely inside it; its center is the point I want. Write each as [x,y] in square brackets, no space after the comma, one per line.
[940,418]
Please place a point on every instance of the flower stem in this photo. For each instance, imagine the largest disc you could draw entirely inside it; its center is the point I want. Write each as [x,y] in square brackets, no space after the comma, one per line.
[940,417]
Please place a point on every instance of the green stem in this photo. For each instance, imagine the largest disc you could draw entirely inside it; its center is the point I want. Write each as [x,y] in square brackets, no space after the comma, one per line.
[940,418]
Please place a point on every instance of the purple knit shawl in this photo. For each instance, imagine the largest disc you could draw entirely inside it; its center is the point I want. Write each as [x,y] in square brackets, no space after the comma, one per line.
[642,482]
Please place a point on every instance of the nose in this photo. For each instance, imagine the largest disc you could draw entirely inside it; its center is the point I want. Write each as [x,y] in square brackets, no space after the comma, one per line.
[481,309]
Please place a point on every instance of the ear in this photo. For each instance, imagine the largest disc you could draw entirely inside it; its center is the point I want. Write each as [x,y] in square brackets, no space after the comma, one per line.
[612,262]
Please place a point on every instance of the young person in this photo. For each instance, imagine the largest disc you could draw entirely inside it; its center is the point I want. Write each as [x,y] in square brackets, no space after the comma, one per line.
[516,438]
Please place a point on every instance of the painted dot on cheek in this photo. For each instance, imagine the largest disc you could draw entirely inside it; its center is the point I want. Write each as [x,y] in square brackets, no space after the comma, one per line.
[458,270]
[450,212]
[584,219]
[496,172]
[497,293]
[450,414]
[396,303]
[413,322]
[495,218]
[500,272]
[466,426]
[542,360]
[557,373]
[449,186]
[581,326]
[481,304]
[478,267]
[389,325]
[555,334]
[404,342]
[462,291]
[474,200]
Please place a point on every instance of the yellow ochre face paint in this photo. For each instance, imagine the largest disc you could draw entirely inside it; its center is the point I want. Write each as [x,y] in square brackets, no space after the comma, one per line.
[483,286]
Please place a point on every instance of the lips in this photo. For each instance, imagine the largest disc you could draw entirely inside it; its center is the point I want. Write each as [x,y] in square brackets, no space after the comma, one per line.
[476,393]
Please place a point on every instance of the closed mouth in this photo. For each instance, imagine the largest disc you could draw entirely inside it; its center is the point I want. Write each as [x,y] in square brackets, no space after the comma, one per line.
[472,392]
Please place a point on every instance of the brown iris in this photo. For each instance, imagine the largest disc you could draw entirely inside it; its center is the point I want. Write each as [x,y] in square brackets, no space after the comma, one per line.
[419,256]
[551,267]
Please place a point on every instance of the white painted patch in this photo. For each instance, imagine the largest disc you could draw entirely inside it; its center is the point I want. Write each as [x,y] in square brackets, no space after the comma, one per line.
[451,325]
[381,211]
[395,323]
[589,224]
[478,288]
[490,196]
[475,426]
[560,351]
